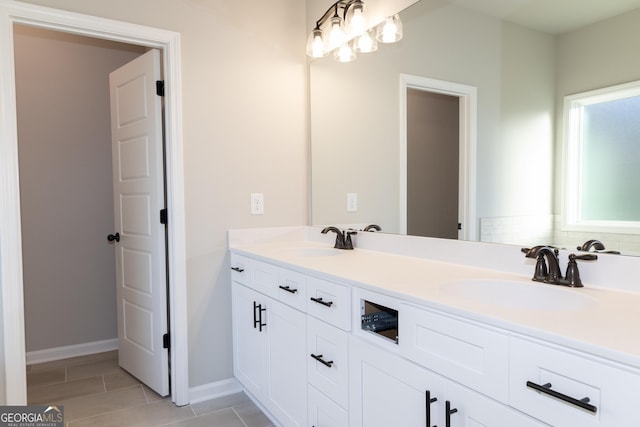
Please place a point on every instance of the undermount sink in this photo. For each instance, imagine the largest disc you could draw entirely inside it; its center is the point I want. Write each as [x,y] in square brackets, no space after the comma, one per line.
[518,295]
[305,251]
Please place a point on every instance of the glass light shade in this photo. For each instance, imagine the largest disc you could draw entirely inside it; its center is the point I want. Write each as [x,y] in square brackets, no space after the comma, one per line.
[316,47]
[356,19]
[389,30]
[344,53]
[336,33]
[365,43]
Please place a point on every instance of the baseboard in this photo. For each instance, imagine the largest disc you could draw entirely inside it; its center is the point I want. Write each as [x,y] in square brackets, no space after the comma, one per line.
[214,390]
[50,354]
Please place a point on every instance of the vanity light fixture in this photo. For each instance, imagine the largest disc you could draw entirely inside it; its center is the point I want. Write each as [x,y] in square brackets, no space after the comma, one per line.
[349,32]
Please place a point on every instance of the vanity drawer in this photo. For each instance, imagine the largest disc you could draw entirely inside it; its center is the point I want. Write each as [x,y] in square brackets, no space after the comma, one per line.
[323,411]
[612,391]
[240,267]
[329,302]
[327,362]
[291,288]
[463,351]
[263,277]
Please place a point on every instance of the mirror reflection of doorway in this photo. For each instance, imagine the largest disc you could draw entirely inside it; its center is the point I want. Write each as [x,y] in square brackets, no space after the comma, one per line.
[433,134]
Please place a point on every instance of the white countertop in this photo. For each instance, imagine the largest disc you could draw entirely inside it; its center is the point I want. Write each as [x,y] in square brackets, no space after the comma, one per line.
[604,323]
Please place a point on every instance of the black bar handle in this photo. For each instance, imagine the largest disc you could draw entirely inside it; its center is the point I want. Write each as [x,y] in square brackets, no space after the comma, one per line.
[580,403]
[260,324]
[288,289]
[238,269]
[448,411]
[321,301]
[319,358]
[255,316]
[428,401]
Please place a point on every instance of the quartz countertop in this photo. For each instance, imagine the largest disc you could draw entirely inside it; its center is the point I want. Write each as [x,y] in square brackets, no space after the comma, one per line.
[605,326]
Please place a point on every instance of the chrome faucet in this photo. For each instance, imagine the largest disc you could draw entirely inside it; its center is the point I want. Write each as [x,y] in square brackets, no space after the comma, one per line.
[343,239]
[554,275]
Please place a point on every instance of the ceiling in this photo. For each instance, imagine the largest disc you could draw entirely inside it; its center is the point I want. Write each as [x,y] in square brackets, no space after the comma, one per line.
[552,16]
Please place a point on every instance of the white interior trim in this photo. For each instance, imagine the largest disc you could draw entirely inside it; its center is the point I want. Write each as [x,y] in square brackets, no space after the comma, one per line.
[10,233]
[214,390]
[468,96]
[58,353]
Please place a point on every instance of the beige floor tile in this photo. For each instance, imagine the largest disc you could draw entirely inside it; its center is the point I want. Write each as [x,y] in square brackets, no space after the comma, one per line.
[152,396]
[119,379]
[222,418]
[54,393]
[101,403]
[252,415]
[45,377]
[92,369]
[153,414]
[213,405]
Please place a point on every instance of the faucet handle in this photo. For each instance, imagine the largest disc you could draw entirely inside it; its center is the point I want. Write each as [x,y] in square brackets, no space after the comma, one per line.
[573,275]
[348,243]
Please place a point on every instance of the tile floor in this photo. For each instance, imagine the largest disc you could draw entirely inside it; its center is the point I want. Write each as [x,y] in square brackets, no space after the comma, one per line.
[95,391]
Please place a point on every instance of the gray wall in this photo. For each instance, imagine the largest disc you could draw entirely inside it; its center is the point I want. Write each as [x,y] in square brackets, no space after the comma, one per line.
[64,143]
[244,130]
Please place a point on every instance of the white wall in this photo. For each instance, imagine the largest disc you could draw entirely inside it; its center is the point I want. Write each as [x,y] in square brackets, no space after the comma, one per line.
[66,189]
[244,108]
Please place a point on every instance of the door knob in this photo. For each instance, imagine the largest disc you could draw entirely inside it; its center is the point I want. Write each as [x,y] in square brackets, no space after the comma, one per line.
[112,237]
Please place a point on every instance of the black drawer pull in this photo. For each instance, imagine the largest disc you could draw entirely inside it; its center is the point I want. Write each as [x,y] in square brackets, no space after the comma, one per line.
[428,401]
[238,269]
[447,412]
[580,403]
[319,358]
[320,301]
[288,289]
[257,316]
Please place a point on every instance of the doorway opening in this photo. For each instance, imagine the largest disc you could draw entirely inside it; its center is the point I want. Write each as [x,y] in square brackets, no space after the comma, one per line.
[448,196]
[14,13]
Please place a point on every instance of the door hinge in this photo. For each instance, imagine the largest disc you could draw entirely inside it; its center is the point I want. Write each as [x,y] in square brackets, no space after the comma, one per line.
[163,216]
[165,341]
[160,87]
[459,226]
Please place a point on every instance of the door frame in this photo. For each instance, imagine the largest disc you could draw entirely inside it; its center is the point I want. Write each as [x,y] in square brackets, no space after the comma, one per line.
[11,280]
[468,96]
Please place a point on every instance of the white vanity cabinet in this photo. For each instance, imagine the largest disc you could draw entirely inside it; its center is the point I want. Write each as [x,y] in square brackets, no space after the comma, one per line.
[320,353]
[566,388]
[269,350]
[388,390]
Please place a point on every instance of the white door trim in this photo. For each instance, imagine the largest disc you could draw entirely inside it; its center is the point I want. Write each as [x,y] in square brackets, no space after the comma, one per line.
[468,96]
[13,345]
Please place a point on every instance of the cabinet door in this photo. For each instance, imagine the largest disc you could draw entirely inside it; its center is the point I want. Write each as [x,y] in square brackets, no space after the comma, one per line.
[250,361]
[475,410]
[324,412]
[287,393]
[387,390]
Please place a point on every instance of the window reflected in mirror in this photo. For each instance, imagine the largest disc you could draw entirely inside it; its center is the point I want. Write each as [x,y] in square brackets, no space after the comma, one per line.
[602,141]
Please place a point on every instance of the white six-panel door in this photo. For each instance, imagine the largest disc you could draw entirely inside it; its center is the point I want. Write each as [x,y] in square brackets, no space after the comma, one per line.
[138,183]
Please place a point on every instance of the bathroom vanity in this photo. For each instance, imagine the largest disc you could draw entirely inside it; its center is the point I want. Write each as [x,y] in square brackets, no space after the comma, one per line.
[409,332]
